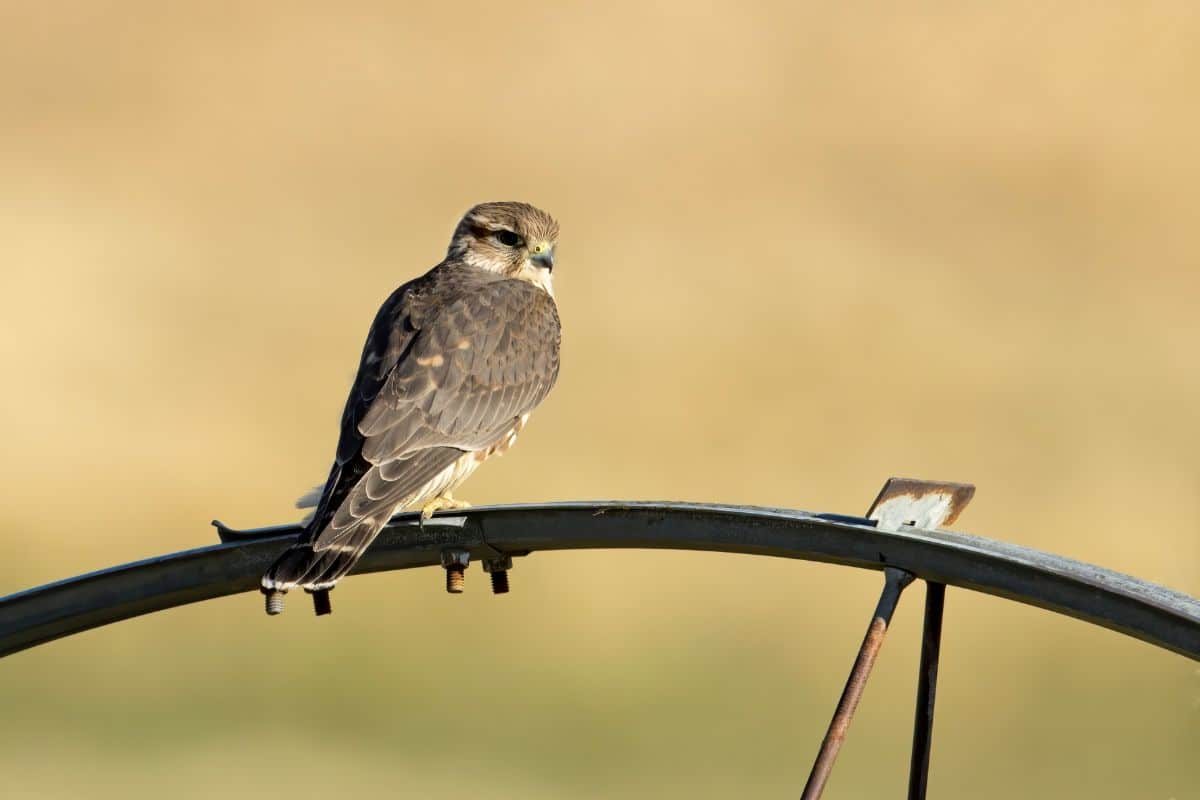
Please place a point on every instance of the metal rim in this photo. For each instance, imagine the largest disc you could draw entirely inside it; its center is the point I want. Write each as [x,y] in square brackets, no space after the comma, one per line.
[1137,608]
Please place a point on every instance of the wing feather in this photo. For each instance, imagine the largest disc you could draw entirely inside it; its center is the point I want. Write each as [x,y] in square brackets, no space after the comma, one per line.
[486,355]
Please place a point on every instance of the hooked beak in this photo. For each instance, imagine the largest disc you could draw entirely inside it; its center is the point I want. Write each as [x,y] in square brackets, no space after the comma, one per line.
[543,256]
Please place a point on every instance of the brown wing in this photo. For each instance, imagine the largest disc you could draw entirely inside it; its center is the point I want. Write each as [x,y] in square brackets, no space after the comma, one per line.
[481,360]
[391,335]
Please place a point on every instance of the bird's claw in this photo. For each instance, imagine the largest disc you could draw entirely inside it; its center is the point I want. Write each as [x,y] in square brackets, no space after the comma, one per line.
[442,502]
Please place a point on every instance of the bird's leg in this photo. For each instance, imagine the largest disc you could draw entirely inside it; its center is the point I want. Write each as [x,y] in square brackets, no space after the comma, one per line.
[440,503]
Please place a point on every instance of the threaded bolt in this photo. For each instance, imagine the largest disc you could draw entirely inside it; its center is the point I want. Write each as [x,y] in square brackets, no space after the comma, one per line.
[274,602]
[321,604]
[455,562]
[500,582]
[498,568]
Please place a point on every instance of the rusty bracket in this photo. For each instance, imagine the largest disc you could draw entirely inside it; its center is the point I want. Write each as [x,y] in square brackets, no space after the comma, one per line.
[921,504]
[901,502]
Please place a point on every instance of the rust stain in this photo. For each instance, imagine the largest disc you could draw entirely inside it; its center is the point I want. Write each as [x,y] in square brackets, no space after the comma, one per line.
[914,492]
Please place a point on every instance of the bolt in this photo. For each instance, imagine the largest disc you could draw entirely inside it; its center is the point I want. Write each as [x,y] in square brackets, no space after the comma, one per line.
[500,582]
[274,602]
[321,604]
[498,567]
[455,562]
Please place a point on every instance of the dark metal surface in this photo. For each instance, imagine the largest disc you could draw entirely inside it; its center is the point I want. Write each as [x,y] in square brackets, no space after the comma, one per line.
[931,648]
[894,582]
[1134,607]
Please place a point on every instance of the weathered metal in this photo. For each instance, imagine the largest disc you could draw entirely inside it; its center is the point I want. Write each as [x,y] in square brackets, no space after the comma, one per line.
[931,646]
[902,502]
[322,605]
[455,563]
[498,569]
[920,504]
[1137,608]
[894,582]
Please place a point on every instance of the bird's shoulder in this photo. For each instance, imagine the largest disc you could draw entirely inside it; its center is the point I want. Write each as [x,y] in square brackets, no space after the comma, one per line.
[464,299]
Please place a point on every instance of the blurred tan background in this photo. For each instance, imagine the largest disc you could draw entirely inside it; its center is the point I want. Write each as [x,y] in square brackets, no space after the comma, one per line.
[805,247]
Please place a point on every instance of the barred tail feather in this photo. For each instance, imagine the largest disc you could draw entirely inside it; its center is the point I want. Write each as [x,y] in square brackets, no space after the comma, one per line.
[323,557]
[313,570]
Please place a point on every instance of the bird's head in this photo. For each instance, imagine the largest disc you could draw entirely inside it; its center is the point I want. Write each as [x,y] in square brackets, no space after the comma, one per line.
[516,240]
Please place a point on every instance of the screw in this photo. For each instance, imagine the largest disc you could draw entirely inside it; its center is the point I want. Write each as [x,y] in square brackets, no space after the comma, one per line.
[455,562]
[274,602]
[500,582]
[321,604]
[498,567]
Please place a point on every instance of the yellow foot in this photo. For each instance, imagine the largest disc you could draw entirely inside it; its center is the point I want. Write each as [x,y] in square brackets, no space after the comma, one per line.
[440,503]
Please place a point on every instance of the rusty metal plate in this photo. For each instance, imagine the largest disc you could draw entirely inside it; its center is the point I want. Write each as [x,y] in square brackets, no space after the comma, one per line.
[922,504]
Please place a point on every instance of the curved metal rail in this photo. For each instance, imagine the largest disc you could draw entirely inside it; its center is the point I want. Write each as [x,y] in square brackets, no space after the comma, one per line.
[887,541]
[1134,607]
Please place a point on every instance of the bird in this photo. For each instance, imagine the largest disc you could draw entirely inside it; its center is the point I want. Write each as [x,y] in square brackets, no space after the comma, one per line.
[454,363]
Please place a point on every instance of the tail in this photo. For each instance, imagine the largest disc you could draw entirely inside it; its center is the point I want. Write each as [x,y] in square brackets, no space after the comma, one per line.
[316,570]
[346,523]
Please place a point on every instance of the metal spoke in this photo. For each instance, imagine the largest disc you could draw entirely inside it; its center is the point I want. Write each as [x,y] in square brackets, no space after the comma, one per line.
[901,535]
[894,581]
[931,647]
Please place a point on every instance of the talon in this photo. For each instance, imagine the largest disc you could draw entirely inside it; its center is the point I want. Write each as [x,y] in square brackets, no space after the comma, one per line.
[441,503]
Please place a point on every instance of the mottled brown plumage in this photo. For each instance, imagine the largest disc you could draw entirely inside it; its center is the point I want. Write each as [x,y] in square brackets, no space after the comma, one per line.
[452,366]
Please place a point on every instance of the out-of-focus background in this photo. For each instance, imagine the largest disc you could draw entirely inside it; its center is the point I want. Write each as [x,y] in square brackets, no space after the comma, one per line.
[804,247]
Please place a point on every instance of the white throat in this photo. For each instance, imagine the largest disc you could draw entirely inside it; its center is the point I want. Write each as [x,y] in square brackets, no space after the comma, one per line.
[538,276]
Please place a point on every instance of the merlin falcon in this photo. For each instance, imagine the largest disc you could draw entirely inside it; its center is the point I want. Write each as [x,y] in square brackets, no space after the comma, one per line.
[453,365]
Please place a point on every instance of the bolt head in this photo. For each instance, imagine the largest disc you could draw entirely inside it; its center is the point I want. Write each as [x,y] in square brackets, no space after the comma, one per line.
[502,564]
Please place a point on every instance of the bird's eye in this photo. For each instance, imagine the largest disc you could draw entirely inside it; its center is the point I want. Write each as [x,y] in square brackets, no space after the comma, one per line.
[508,239]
